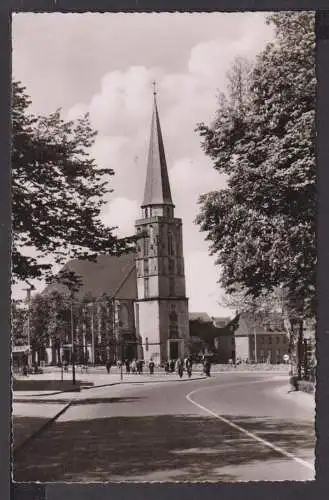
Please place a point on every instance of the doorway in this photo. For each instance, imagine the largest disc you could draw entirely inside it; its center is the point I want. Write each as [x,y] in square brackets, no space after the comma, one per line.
[173,350]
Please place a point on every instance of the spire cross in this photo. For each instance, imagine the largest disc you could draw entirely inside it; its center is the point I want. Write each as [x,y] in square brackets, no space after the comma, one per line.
[154,83]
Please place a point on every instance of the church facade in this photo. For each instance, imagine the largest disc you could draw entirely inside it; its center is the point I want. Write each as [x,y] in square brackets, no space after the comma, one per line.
[135,304]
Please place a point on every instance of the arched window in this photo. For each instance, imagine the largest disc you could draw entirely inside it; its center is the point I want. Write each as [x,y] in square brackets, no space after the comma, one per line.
[170,243]
[146,246]
[124,316]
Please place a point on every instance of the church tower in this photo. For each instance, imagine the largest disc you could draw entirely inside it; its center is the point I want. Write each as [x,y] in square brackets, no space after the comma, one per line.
[161,309]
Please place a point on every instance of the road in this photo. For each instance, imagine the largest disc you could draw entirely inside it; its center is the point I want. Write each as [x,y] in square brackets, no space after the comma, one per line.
[231,427]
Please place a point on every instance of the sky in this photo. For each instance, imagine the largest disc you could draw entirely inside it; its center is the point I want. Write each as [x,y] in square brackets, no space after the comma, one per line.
[104,64]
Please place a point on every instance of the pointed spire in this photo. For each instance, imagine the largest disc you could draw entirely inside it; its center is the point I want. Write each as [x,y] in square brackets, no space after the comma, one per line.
[157,186]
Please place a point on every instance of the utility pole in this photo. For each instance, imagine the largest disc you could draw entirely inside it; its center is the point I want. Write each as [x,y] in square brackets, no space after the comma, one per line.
[255,333]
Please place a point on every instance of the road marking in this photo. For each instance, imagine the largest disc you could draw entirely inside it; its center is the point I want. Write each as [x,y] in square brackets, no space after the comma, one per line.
[244,431]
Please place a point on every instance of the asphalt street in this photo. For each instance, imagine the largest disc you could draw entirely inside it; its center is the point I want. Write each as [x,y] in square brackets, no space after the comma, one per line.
[231,427]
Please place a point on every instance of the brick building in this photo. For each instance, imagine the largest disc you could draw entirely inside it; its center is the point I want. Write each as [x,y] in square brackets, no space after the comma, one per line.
[266,332]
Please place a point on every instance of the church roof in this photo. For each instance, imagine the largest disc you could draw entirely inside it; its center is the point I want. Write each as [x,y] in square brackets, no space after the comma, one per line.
[157,186]
[111,275]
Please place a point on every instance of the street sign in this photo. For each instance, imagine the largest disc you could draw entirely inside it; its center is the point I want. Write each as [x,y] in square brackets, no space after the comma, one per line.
[286,357]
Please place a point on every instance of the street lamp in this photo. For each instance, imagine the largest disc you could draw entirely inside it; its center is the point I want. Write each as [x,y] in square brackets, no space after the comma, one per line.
[28,301]
[91,306]
[72,341]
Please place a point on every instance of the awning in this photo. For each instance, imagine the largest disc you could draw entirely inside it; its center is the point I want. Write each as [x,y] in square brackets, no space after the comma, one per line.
[20,349]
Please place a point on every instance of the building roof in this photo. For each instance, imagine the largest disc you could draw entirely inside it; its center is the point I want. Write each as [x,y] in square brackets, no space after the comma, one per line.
[111,275]
[260,324]
[221,322]
[200,316]
[157,186]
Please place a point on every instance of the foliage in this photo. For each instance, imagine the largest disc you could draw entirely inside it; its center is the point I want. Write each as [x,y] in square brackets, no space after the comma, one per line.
[58,192]
[262,225]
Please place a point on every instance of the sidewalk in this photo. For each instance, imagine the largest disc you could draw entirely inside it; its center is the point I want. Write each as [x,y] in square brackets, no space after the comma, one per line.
[299,397]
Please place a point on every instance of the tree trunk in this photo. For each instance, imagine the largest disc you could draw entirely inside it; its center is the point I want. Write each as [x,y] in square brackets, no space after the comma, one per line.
[300,353]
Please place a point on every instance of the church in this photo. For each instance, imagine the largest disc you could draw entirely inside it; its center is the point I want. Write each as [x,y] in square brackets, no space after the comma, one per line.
[137,304]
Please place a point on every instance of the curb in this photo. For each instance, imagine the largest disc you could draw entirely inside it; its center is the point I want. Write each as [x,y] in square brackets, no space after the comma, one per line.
[146,382]
[26,399]
[42,428]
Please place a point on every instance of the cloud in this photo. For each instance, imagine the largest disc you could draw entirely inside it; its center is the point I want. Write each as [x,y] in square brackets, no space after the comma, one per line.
[122,102]
[121,212]
[202,287]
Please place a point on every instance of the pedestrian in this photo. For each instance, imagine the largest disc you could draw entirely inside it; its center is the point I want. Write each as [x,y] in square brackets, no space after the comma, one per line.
[206,367]
[179,367]
[151,366]
[188,366]
[127,364]
[172,366]
[108,365]
[166,367]
[139,366]
[134,366]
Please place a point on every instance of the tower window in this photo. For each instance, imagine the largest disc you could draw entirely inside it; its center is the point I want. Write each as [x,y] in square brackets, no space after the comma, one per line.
[146,266]
[146,246]
[146,288]
[170,244]
[171,266]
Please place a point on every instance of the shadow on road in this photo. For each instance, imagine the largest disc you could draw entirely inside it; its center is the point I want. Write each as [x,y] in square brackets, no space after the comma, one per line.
[131,448]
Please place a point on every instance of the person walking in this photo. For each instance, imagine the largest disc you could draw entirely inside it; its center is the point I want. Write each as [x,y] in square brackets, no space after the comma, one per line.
[108,366]
[188,366]
[166,367]
[151,366]
[179,367]
[127,364]
[134,366]
[206,367]
[172,366]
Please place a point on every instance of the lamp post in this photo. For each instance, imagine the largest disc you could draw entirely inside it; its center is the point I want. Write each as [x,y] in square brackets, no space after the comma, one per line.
[72,341]
[91,306]
[92,335]
[118,336]
[28,301]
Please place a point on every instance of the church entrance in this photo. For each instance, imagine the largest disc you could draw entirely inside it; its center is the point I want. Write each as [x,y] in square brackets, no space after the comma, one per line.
[173,350]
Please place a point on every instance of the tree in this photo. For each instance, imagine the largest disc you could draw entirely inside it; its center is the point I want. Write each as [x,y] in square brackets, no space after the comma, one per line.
[262,226]
[38,316]
[58,192]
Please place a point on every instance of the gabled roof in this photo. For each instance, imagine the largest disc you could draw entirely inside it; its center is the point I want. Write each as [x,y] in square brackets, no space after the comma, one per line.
[111,275]
[157,186]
